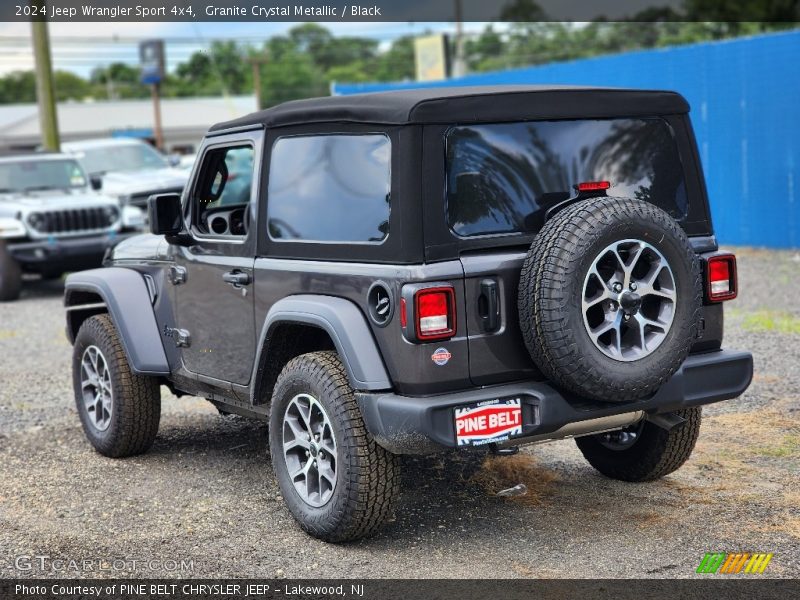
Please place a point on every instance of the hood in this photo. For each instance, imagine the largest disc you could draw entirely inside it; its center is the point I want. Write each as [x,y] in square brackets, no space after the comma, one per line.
[127,183]
[53,200]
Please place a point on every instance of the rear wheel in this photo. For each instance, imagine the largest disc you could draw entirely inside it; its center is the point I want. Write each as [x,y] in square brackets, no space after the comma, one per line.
[643,451]
[336,481]
[119,410]
[10,276]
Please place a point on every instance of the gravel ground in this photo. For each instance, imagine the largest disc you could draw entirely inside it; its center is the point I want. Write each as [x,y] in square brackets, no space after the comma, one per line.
[206,494]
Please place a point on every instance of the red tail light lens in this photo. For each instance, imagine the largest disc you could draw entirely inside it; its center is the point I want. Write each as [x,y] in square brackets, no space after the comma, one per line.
[593,186]
[721,278]
[435,313]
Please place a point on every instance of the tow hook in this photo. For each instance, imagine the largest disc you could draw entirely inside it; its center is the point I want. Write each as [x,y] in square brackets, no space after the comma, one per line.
[494,449]
[666,421]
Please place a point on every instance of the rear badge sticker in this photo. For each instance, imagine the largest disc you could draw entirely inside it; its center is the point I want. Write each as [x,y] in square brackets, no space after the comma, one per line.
[441,356]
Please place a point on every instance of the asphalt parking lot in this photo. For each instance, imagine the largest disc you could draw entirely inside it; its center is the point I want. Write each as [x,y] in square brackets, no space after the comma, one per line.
[204,501]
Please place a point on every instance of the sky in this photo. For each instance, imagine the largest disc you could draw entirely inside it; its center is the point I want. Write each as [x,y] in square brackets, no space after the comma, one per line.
[80,47]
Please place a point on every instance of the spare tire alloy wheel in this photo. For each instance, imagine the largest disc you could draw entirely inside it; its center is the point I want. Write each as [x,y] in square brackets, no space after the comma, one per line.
[309,449]
[629,300]
[610,296]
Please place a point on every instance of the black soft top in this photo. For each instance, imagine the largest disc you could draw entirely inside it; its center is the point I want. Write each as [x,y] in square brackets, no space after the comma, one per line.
[468,105]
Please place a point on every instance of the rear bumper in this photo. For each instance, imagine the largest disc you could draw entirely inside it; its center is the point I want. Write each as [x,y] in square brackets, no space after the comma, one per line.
[423,425]
[67,251]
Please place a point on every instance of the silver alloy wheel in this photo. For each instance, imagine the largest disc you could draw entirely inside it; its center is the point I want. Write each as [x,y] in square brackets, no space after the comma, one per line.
[309,449]
[629,300]
[621,439]
[98,395]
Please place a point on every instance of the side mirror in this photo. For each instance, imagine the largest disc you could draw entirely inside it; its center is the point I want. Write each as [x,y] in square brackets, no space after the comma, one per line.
[96,182]
[165,215]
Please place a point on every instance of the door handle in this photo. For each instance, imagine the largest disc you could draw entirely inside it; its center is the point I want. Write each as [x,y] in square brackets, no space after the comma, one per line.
[489,306]
[236,278]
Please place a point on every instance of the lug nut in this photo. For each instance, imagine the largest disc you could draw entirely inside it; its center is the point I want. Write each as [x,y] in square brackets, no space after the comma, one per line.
[633,286]
[618,287]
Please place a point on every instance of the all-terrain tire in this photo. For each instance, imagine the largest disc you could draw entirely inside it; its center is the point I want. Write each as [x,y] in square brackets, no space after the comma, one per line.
[367,476]
[10,276]
[136,399]
[551,293]
[656,453]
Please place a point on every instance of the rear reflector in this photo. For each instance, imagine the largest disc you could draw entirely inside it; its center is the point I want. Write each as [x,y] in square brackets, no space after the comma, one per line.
[593,186]
[435,313]
[721,277]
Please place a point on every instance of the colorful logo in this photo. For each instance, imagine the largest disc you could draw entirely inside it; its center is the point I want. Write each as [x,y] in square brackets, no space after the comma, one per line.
[441,356]
[733,563]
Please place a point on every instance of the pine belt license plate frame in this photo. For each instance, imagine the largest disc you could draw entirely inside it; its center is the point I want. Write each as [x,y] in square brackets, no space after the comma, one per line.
[488,421]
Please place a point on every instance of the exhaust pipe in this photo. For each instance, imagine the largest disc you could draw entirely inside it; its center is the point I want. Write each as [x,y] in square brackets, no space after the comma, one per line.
[580,428]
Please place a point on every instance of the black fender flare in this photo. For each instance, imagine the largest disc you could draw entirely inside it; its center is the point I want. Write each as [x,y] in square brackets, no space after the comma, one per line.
[347,328]
[127,299]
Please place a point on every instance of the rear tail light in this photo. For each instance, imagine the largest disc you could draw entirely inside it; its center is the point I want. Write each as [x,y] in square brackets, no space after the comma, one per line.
[593,186]
[435,313]
[721,281]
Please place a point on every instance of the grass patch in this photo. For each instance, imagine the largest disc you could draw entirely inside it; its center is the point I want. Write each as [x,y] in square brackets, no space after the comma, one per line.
[789,446]
[500,472]
[771,321]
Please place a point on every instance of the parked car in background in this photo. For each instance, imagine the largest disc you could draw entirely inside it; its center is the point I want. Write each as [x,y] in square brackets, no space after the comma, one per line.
[186,161]
[51,221]
[127,168]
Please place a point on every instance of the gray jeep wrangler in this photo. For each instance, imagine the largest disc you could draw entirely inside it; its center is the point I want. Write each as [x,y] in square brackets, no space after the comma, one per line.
[51,221]
[417,271]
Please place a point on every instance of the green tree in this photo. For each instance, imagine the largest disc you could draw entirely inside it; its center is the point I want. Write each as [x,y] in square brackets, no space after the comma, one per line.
[117,80]
[18,87]
[69,86]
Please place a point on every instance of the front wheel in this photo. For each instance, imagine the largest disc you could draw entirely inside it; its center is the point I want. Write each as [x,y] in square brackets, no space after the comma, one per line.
[119,410]
[336,481]
[643,451]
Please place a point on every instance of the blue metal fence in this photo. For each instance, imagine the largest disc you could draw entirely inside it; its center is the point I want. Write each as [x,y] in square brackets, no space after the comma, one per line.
[745,98]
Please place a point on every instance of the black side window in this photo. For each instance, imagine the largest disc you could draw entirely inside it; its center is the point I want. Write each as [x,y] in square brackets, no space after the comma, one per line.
[222,195]
[330,188]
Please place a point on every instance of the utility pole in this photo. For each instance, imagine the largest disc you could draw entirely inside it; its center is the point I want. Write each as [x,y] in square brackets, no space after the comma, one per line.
[158,133]
[45,92]
[256,62]
[153,65]
[459,64]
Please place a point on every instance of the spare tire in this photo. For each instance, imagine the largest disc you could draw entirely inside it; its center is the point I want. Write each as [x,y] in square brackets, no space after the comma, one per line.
[609,298]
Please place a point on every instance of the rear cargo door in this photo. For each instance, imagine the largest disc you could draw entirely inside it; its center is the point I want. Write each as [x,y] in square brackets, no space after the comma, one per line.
[501,179]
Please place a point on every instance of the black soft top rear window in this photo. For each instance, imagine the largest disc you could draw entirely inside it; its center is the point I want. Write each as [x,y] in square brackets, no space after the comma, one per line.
[502,177]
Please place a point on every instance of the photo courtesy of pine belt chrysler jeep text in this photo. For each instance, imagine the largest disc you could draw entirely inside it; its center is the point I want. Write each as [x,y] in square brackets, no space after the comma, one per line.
[417,271]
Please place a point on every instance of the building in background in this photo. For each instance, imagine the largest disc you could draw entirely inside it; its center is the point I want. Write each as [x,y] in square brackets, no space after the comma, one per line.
[743,93]
[185,121]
